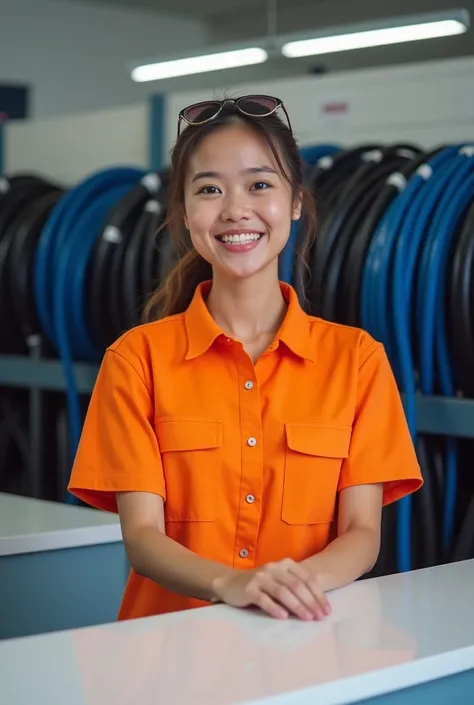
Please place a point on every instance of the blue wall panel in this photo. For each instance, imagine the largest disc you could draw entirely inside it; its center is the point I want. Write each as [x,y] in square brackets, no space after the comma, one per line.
[455,690]
[156,132]
[63,589]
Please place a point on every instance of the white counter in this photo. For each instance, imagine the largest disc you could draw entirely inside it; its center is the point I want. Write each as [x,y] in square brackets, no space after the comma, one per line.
[29,525]
[383,635]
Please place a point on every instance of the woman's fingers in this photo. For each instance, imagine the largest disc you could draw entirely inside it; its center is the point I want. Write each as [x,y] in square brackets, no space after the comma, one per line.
[280,593]
[279,589]
[290,585]
[318,599]
[262,599]
[271,607]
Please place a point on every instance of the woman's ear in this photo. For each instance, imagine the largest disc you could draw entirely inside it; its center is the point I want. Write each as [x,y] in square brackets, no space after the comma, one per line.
[186,223]
[297,207]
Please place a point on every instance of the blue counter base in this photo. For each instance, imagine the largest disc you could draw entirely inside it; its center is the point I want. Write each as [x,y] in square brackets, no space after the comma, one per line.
[64,589]
[452,690]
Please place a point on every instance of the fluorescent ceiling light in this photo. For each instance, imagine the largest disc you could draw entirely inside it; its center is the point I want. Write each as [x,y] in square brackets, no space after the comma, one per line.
[372,38]
[200,64]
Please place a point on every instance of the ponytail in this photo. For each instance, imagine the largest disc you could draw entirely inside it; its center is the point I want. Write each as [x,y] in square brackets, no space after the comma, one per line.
[176,292]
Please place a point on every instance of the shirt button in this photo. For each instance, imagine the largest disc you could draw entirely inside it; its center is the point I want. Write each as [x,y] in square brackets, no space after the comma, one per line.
[252,441]
[243,553]
[248,385]
[250,498]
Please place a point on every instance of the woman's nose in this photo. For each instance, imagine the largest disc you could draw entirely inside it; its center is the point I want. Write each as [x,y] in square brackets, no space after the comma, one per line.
[235,208]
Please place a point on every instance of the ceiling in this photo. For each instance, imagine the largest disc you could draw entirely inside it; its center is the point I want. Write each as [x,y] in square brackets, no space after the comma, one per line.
[234,21]
[198,8]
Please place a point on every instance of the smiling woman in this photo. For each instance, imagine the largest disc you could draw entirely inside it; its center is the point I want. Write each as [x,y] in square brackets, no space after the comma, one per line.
[208,177]
[236,207]
[249,448]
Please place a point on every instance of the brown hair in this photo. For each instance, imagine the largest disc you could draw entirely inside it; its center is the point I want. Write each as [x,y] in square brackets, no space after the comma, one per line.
[175,293]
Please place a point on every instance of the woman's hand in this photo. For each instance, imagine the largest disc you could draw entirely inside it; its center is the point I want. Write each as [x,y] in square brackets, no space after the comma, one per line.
[280,589]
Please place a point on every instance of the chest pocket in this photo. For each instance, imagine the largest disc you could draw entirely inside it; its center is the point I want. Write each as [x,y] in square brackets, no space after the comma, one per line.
[313,459]
[191,452]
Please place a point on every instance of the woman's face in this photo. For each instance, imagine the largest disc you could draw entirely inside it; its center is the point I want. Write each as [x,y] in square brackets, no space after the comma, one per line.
[238,207]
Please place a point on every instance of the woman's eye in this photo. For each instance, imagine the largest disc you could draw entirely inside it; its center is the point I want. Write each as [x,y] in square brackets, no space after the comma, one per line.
[209,190]
[260,186]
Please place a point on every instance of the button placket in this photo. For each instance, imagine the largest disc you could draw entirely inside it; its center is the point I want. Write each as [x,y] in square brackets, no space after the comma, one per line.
[252,462]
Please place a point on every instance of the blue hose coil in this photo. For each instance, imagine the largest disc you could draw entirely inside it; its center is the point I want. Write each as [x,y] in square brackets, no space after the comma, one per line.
[57,228]
[416,229]
[451,207]
[409,242]
[387,294]
[60,275]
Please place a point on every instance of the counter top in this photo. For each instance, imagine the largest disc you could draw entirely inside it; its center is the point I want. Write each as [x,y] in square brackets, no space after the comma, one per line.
[384,634]
[29,525]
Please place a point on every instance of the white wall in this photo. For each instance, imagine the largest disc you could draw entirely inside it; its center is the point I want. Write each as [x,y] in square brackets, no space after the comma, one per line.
[429,104]
[71,147]
[75,55]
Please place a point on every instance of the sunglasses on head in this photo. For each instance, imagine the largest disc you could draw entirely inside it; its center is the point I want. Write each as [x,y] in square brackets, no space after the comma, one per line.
[249,105]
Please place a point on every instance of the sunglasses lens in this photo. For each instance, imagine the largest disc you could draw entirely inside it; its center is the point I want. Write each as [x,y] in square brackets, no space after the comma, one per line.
[202,111]
[258,105]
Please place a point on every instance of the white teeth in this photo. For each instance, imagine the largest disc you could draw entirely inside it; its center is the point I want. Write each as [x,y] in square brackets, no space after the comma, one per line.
[241,238]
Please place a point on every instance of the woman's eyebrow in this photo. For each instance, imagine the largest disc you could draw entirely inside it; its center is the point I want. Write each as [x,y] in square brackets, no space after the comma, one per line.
[250,170]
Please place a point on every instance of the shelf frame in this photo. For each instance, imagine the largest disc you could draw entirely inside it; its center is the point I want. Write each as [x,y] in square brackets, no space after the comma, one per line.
[444,416]
[22,372]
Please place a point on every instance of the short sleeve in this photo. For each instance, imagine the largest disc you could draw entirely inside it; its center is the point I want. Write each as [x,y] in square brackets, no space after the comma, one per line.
[381,448]
[118,449]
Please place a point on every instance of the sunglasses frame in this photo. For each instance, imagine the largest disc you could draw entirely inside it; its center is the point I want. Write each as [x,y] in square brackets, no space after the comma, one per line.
[221,104]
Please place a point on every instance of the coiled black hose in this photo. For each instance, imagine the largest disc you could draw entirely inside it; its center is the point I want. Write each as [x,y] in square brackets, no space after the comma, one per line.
[21,198]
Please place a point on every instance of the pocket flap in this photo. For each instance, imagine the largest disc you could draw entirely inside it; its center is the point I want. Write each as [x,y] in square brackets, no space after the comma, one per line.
[188,434]
[317,439]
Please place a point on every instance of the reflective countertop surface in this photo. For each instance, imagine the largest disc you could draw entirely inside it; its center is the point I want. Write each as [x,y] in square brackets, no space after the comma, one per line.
[28,525]
[384,634]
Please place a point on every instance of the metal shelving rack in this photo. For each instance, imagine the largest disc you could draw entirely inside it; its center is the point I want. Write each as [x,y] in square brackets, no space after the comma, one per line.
[445,416]
[38,375]
[23,372]
[435,415]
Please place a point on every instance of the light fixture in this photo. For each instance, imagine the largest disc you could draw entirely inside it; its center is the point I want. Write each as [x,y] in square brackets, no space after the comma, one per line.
[391,32]
[216,61]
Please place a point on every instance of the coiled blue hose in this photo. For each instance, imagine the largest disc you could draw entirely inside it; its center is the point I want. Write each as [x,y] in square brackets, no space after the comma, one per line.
[376,304]
[60,274]
[375,278]
[311,154]
[450,208]
[415,227]
[375,311]
[386,299]
[407,242]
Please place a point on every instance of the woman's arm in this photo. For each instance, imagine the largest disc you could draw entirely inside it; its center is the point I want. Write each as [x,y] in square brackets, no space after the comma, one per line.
[354,552]
[279,589]
[154,555]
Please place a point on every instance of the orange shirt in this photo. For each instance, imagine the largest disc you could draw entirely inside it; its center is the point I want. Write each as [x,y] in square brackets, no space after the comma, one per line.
[248,458]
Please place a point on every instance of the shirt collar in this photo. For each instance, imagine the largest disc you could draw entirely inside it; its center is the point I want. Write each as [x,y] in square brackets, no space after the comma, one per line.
[202,330]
